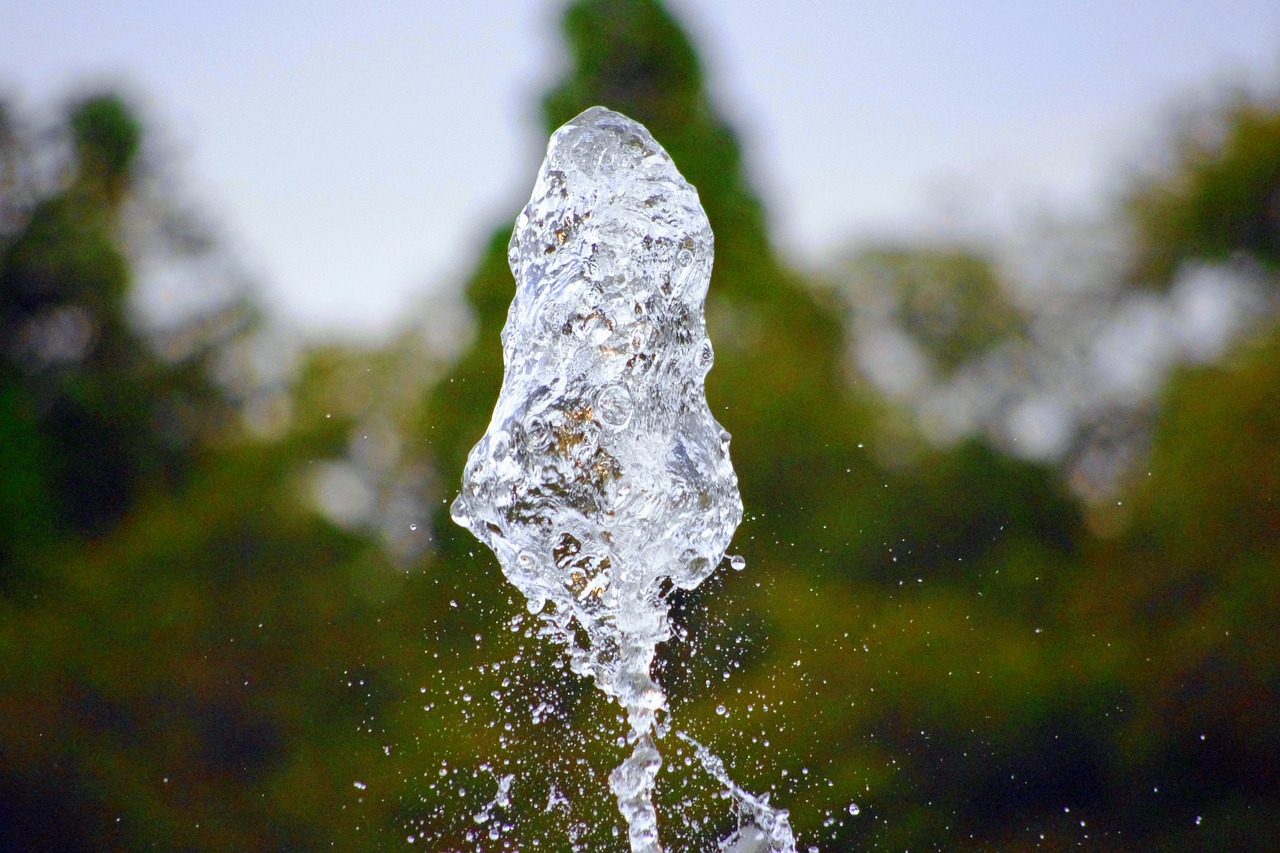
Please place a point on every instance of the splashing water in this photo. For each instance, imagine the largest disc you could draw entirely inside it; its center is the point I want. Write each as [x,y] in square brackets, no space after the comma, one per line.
[603,481]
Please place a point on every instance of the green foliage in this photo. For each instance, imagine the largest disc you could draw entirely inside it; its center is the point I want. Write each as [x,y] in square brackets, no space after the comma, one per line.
[950,300]
[81,390]
[194,656]
[107,138]
[1220,199]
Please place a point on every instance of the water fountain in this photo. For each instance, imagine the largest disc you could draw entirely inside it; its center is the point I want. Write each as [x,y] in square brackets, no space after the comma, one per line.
[603,481]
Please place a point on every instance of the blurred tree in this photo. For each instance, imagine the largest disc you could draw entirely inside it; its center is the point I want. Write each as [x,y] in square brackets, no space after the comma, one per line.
[632,56]
[90,413]
[1219,198]
[99,418]
[948,300]
[778,385]
[832,498]
[1191,584]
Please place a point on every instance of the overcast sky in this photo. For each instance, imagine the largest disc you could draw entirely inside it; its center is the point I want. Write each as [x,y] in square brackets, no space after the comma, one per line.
[355,154]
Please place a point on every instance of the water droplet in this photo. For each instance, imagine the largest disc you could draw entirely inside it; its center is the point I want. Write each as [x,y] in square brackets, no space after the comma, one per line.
[613,406]
[737,562]
[854,809]
[706,357]
[721,710]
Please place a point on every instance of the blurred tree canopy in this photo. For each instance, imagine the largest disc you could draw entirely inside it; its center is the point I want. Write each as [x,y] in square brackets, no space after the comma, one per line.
[1221,199]
[235,615]
[92,415]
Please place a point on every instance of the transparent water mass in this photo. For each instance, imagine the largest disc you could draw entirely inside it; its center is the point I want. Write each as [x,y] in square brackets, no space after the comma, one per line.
[603,480]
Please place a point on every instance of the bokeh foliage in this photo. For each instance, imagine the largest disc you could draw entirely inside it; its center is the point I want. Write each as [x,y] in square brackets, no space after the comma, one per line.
[197,653]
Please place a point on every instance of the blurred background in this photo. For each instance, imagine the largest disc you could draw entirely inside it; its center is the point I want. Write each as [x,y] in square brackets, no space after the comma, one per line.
[995,307]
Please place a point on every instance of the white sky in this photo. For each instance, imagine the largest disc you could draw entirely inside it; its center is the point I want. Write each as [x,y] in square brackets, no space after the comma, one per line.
[355,154]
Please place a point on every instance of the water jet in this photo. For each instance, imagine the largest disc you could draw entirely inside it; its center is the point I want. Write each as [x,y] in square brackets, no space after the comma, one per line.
[603,481]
